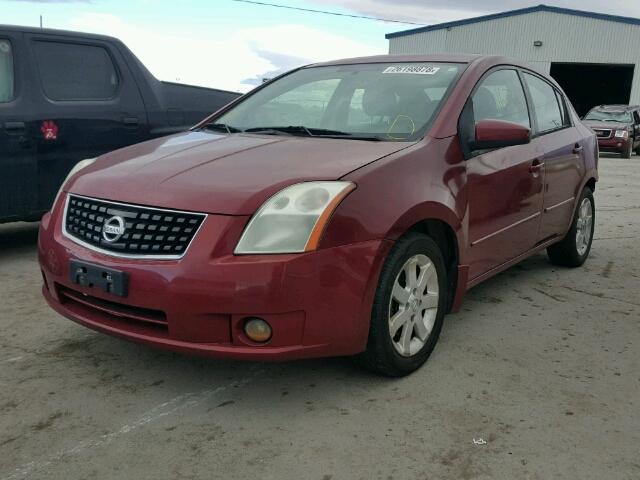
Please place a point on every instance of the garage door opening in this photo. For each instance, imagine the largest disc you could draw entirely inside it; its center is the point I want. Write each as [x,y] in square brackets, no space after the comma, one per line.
[588,84]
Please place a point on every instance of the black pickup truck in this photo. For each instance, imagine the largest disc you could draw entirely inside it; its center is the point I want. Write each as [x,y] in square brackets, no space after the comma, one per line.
[67,96]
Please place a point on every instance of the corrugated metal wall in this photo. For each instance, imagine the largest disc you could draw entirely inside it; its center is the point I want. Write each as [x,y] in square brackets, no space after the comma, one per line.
[566,38]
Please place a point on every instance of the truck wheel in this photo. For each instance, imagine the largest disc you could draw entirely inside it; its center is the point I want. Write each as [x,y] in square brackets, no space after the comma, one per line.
[628,150]
[408,307]
[574,249]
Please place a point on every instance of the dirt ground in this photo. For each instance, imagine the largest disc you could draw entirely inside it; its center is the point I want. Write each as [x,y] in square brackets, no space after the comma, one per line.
[542,364]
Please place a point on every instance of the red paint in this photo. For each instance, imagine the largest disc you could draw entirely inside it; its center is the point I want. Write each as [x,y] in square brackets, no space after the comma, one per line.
[319,303]
[49,130]
[501,132]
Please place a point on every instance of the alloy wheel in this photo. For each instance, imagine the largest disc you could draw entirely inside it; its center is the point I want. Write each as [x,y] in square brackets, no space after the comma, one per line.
[584,226]
[414,305]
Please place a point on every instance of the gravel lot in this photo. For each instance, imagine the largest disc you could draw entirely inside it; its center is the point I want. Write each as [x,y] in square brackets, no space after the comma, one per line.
[542,364]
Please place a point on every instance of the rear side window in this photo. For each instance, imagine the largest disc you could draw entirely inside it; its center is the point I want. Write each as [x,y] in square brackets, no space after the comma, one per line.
[545,104]
[6,72]
[563,109]
[500,96]
[76,72]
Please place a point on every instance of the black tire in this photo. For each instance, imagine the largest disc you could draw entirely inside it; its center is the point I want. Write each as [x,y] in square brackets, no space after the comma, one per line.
[566,253]
[637,150]
[381,356]
[628,150]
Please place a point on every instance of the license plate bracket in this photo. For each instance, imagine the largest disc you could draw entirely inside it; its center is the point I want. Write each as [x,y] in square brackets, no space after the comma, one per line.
[108,280]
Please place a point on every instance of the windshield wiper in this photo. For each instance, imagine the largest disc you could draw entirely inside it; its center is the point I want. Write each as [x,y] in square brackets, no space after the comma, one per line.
[222,127]
[311,132]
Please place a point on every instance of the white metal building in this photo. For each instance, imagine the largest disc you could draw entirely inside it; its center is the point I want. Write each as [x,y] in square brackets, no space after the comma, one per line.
[593,56]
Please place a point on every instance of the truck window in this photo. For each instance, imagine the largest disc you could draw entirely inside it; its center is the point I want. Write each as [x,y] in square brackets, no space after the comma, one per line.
[71,71]
[6,72]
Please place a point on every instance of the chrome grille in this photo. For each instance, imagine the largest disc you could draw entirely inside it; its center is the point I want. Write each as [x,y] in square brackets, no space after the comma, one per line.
[148,232]
[602,132]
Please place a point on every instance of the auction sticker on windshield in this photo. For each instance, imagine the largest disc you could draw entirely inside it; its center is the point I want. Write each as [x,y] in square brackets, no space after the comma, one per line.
[413,69]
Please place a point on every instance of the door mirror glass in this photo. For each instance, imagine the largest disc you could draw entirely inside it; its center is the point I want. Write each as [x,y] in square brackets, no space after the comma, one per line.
[498,134]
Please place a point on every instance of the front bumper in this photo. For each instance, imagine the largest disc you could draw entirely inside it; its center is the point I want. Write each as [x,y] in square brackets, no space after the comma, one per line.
[318,303]
[614,145]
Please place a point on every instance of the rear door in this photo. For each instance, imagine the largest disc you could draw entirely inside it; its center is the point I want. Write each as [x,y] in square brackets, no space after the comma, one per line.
[89,105]
[636,129]
[505,184]
[18,173]
[563,161]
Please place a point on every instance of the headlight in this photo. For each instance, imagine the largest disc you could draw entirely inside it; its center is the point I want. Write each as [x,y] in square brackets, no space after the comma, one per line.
[292,221]
[77,167]
[622,134]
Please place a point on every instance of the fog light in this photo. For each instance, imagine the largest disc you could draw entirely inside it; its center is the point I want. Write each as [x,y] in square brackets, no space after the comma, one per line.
[257,329]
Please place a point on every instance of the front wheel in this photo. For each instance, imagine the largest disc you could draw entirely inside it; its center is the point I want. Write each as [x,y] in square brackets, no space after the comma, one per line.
[574,249]
[408,308]
[628,150]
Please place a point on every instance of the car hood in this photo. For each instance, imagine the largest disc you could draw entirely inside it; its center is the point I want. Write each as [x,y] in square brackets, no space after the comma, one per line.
[223,174]
[605,125]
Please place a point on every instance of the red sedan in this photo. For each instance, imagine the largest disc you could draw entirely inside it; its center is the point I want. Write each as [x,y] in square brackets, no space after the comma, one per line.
[341,209]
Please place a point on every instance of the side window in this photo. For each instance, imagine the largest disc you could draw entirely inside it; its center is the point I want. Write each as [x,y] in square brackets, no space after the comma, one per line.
[636,117]
[566,122]
[6,72]
[545,104]
[75,72]
[357,118]
[500,96]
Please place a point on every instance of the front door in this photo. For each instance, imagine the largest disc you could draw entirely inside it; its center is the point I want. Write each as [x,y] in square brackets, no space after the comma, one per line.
[89,105]
[18,171]
[505,186]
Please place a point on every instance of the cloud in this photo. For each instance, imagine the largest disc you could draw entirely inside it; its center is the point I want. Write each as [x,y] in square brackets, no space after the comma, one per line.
[236,62]
[52,1]
[436,11]
[281,61]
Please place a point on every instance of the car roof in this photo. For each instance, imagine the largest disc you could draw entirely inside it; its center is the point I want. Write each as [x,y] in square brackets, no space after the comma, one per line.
[454,58]
[487,61]
[51,31]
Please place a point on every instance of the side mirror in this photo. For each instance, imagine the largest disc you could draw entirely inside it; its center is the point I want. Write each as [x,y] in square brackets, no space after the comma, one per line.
[499,134]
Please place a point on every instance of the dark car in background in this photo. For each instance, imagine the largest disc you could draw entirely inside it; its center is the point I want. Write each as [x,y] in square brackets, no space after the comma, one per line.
[617,128]
[65,97]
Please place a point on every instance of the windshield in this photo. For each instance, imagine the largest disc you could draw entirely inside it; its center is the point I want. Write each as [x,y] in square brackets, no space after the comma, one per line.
[609,116]
[382,101]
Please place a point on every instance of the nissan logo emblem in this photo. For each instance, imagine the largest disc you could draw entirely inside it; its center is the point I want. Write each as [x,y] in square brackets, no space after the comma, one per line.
[113,228]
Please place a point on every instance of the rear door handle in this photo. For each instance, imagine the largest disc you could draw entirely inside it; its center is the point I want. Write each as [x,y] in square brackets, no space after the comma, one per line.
[130,121]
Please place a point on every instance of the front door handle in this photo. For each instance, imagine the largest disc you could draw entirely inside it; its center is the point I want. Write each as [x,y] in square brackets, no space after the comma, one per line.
[13,126]
[577,148]
[536,166]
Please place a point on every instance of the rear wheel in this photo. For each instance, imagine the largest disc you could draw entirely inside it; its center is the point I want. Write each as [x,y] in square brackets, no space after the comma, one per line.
[574,249]
[408,308]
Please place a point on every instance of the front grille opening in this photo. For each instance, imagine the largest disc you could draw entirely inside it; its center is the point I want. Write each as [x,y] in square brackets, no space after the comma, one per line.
[112,310]
[147,231]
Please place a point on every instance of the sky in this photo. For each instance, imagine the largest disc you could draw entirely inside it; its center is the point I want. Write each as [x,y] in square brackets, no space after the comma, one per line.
[234,45]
